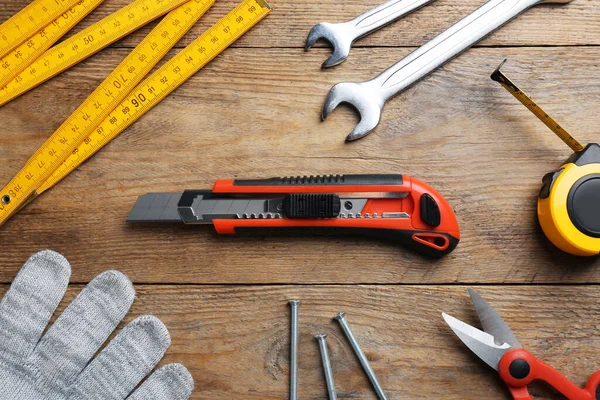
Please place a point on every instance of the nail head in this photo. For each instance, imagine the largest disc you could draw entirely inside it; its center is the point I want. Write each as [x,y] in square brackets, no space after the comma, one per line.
[340,316]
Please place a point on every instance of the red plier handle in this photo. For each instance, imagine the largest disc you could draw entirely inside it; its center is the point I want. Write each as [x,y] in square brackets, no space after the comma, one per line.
[518,368]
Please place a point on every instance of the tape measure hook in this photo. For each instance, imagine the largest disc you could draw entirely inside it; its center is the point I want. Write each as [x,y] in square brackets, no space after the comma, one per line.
[496,73]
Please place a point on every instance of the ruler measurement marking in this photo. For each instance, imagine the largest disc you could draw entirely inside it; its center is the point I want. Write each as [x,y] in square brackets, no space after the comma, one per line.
[203,45]
[19,59]
[79,46]
[41,163]
[532,106]
[135,103]
[26,19]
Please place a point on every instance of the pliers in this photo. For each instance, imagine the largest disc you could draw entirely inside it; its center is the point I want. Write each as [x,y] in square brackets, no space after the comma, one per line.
[498,347]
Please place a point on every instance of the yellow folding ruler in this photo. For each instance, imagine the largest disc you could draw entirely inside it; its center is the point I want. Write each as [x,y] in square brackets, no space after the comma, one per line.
[16,60]
[84,44]
[118,102]
[28,21]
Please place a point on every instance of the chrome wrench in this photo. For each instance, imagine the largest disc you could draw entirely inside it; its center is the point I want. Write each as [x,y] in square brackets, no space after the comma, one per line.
[342,35]
[369,97]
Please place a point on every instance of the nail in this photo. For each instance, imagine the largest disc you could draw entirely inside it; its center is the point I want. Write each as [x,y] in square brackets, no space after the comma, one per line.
[294,350]
[341,318]
[322,338]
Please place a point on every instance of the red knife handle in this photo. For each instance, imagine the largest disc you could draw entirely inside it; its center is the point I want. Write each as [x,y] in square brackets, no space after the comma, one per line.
[317,184]
[426,243]
[431,228]
[428,209]
[518,368]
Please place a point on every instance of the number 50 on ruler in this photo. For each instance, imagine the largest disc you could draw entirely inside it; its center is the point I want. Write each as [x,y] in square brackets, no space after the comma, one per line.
[134,105]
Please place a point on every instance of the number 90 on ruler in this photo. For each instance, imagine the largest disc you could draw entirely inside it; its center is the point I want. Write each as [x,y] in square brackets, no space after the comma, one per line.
[139,101]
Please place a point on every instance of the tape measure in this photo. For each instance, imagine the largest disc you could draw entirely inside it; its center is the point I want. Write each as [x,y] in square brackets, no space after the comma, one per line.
[86,43]
[22,56]
[116,104]
[28,21]
[569,202]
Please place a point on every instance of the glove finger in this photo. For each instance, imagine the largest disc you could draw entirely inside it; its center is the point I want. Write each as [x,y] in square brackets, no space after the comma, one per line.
[125,362]
[80,331]
[171,382]
[30,302]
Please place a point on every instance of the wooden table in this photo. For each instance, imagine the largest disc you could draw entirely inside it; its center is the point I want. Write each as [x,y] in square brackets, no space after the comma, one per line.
[255,113]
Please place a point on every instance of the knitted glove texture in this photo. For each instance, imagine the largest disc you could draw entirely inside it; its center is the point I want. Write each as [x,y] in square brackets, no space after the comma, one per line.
[64,363]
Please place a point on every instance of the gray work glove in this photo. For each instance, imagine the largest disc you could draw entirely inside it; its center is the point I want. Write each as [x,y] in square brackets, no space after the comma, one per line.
[61,364]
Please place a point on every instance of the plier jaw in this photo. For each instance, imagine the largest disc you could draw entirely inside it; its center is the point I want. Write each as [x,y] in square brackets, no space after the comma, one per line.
[497,346]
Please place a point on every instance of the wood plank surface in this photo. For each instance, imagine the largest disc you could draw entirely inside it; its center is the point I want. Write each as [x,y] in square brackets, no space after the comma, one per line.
[235,339]
[254,112]
[457,130]
[577,23]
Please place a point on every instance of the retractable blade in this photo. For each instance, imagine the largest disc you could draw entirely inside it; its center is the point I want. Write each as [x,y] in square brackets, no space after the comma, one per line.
[205,206]
[394,207]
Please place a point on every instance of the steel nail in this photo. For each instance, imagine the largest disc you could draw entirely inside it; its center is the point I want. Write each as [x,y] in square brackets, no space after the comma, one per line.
[294,350]
[341,318]
[322,338]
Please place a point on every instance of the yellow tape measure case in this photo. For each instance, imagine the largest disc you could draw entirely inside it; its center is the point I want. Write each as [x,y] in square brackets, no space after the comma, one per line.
[569,204]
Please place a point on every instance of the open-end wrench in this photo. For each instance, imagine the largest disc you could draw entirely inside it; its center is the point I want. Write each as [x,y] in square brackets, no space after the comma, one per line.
[342,35]
[369,97]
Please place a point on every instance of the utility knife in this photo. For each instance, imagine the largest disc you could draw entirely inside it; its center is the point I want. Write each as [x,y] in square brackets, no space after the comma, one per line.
[390,207]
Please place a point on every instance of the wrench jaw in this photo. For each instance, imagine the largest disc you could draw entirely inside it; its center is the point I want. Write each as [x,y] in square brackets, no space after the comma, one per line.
[337,35]
[368,104]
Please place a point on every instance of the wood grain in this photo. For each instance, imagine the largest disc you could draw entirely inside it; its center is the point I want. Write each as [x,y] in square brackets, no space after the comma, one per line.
[254,113]
[457,130]
[577,23]
[235,339]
